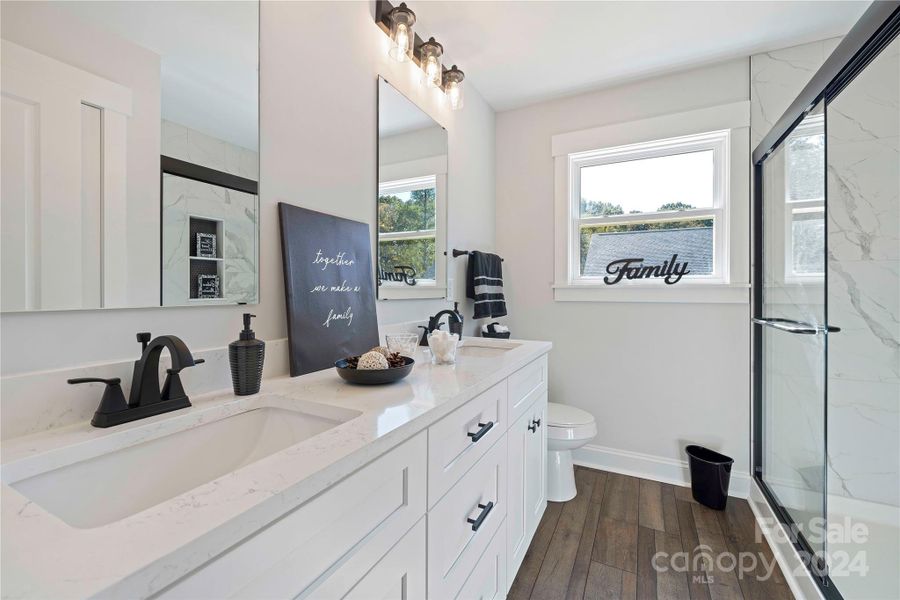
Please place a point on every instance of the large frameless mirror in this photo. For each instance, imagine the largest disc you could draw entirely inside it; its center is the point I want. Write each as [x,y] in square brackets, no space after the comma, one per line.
[412,199]
[129,154]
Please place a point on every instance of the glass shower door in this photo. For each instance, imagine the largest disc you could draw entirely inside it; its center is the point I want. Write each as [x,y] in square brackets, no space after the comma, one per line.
[790,310]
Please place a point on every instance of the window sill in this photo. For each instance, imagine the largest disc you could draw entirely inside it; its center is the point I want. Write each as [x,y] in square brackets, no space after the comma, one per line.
[411,292]
[679,293]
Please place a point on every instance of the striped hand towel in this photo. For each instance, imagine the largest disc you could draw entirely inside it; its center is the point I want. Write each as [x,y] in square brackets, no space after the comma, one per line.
[484,284]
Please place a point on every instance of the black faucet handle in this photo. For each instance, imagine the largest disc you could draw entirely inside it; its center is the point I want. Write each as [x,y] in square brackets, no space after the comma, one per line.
[113,400]
[144,338]
[77,380]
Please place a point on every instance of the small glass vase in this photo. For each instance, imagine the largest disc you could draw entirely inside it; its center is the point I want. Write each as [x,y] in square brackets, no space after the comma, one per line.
[443,347]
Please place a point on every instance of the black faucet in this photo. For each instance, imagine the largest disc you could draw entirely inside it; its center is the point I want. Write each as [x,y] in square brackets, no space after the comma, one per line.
[146,398]
[453,319]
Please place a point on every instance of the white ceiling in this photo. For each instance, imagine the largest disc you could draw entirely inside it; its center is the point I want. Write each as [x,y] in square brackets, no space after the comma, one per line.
[518,53]
[209,53]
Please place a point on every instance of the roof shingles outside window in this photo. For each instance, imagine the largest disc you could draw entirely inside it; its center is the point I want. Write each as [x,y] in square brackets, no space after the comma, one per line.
[694,245]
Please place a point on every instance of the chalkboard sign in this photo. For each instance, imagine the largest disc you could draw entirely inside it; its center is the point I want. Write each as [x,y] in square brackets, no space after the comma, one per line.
[328,286]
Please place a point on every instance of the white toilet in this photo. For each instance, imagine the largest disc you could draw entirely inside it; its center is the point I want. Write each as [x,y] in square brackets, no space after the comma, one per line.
[567,428]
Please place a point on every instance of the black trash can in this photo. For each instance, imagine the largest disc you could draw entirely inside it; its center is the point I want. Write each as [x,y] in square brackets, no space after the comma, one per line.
[710,476]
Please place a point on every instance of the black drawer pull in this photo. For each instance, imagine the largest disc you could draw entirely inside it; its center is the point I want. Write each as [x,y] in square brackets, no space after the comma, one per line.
[536,422]
[532,427]
[485,427]
[485,511]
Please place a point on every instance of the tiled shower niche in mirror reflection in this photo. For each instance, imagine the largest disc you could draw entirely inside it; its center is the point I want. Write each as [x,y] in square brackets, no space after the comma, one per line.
[96,97]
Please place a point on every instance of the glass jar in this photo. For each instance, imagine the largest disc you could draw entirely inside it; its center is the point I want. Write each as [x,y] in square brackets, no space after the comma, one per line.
[443,347]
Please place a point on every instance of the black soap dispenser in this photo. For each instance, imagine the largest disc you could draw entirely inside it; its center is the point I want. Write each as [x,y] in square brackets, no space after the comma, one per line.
[246,356]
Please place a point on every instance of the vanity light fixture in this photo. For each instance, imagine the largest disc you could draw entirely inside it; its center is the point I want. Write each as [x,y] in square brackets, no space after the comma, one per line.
[398,23]
[430,54]
[453,79]
[403,38]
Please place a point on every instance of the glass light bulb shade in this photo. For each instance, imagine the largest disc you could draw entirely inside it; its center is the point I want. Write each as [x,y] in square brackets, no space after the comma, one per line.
[455,95]
[403,38]
[430,54]
[453,87]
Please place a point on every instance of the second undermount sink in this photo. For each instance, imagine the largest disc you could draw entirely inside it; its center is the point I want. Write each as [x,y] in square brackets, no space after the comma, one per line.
[485,348]
[110,487]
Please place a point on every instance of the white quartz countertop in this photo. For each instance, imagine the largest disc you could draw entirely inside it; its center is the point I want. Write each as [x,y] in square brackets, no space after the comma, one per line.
[44,557]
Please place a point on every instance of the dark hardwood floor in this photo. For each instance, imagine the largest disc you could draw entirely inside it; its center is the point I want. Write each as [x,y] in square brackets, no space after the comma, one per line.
[601,545]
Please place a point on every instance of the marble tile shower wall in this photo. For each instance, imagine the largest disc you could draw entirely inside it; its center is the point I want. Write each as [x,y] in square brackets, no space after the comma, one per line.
[777,77]
[864,284]
[195,147]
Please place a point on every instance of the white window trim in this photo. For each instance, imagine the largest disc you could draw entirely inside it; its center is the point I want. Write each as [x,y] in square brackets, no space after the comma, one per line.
[732,285]
[813,124]
[716,141]
[424,288]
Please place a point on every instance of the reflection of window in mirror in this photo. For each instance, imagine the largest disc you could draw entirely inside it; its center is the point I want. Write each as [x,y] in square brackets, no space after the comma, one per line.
[805,200]
[406,231]
[412,199]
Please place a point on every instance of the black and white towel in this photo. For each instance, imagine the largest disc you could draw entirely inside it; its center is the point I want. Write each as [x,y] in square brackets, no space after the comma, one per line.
[484,284]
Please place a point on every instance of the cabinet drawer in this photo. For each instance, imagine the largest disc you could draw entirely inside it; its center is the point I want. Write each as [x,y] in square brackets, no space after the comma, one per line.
[526,385]
[398,574]
[488,580]
[371,508]
[457,441]
[463,523]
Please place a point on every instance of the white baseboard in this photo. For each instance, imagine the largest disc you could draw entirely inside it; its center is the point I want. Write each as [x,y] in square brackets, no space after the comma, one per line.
[648,466]
[798,577]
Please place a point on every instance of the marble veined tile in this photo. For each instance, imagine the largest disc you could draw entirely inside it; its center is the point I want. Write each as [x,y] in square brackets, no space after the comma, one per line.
[864,284]
[190,145]
[775,80]
[864,440]
[864,301]
[864,200]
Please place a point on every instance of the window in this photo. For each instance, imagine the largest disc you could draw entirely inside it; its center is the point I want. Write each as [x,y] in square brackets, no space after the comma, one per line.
[651,201]
[805,200]
[407,229]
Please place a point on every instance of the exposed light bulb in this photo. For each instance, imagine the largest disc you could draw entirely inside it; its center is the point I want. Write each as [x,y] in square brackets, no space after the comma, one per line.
[402,40]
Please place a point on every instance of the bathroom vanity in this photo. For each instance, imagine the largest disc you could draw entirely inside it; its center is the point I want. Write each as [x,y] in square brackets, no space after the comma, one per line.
[431,487]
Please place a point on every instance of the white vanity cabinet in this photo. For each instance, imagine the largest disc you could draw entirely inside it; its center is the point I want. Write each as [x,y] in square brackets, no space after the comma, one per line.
[446,514]
[347,528]
[527,479]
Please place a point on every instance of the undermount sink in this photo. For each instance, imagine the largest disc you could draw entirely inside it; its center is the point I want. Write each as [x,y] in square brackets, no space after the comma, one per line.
[110,487]
[485,348]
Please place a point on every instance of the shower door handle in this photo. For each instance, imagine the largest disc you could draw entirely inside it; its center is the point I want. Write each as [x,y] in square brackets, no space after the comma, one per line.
[792,326]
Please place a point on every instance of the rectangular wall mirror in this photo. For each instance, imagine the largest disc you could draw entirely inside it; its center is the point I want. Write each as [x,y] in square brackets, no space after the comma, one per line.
[412,199]
[129,154]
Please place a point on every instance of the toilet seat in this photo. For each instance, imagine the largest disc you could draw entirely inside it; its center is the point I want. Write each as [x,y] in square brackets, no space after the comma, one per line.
[566,422]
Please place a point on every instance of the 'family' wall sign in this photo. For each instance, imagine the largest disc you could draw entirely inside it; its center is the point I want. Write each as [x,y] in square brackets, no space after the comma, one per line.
[634,268]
